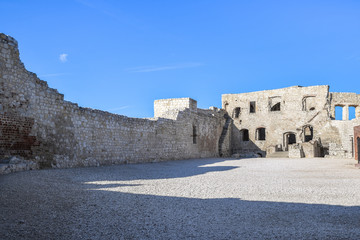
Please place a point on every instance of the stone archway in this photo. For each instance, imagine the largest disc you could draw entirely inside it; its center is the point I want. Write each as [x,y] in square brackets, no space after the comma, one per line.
[288,138]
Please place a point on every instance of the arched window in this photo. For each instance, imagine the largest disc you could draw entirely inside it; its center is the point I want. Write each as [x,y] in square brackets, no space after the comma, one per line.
[236,112]
[276,107]
[260,134]
[308,133]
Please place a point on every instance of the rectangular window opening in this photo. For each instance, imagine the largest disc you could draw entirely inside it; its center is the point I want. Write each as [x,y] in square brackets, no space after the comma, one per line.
[338,112]
[252,107]
[352,112]
[194,135]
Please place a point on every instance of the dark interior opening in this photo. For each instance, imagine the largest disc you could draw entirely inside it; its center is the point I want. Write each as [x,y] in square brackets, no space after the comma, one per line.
[260,133]
[194,135]
[308,133]
[276,107]
[245,135]
[236,113]
[291,138]
[252,107]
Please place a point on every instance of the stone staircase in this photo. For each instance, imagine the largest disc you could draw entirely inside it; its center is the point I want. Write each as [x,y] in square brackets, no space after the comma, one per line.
[282,154]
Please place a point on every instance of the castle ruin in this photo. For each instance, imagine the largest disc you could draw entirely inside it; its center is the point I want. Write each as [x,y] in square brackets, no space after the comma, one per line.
[37,124]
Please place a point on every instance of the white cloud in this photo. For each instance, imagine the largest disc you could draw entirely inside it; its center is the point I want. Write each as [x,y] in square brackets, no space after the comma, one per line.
[117,109]
[63,57]
[163,68]
[52,75]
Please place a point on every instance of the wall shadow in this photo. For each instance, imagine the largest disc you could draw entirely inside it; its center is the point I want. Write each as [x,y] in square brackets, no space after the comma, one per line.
[159,170]
[63,204]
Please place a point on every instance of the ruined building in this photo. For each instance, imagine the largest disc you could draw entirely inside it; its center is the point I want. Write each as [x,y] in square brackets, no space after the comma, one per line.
[38,125]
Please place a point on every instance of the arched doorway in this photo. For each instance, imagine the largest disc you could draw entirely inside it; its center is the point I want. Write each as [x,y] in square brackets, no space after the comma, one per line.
[308,133]
[289,138]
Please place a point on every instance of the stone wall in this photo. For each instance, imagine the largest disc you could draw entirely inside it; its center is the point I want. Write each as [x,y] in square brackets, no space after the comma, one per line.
[272,120]
[279,112]
[37,124]
[357,142]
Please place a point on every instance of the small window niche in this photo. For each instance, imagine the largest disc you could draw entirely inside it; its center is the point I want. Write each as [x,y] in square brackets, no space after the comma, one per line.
[261,134]
[252,107]
[275,104]
[194,135]
[245,135]
[309,103]
[236,112]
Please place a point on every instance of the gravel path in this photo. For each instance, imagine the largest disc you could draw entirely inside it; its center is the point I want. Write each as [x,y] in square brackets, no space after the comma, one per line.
[189,199]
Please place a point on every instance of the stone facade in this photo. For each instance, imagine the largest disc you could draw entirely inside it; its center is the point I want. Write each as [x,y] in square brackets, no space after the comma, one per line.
[357,143]
[38,125]
[298,120]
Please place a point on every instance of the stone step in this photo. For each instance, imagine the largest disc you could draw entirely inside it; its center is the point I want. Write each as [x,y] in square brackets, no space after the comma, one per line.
[284,154]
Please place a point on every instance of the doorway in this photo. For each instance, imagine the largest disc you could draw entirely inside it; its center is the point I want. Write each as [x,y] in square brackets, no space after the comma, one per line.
[289,138]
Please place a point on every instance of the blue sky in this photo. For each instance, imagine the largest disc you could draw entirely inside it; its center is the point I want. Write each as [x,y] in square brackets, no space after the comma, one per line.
[120,56]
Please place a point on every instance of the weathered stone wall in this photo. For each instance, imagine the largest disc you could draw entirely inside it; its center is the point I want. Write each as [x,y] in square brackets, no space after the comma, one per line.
[37,124]
[170,107]
[298,107]
[357,142]
[289,115]
[345,100]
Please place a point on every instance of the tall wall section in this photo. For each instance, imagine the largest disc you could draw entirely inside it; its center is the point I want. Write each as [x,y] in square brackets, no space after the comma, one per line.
[278,113]
[37,124]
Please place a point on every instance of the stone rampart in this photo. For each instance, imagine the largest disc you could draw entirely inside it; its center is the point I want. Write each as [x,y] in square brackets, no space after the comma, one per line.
[37,124]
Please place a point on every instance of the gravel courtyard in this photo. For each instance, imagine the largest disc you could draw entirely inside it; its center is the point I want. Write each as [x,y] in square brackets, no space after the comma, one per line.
[188,199]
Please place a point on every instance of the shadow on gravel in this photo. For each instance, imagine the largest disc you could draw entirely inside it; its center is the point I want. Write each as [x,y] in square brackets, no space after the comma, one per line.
[97,214]
[159,170]
[35,205]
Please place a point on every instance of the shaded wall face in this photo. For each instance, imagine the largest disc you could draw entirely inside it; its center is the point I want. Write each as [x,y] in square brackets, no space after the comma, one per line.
[357,142]
[36,123]
[280,112]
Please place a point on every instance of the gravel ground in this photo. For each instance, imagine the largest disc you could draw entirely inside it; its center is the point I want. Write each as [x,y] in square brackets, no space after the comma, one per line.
[188,199]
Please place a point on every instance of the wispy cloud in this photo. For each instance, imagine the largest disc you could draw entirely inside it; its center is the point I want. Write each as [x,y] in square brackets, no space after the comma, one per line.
[52,75]
[354,57]
[63,57]
[164,67]
[98,8]
[118,108]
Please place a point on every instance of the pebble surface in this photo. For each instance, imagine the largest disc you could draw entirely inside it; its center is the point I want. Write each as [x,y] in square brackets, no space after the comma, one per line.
[187,199]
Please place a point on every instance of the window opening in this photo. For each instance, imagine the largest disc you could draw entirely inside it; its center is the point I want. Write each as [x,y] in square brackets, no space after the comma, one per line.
[245,135]
[194,134]
[236,112]
[276,107]
[352,112]
[338,112]
[252,107]
[309,103]
[308,133]
[260,134]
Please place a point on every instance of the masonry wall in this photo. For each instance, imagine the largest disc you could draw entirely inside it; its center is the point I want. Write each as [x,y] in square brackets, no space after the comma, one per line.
[298,107]
[357,142]
[37,124]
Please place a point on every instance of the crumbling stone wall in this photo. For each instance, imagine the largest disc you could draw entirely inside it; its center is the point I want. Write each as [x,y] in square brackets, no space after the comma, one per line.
[268,121]
[357,143]
[276,113]
[37,124]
